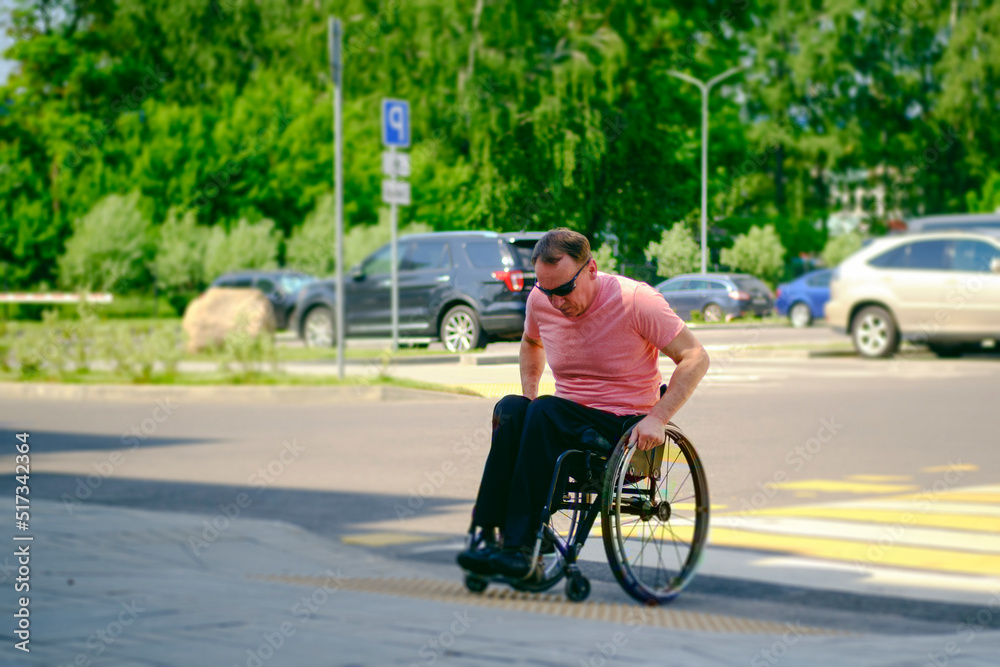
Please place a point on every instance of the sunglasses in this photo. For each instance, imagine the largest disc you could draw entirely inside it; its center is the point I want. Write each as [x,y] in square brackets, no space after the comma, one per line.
[566,288]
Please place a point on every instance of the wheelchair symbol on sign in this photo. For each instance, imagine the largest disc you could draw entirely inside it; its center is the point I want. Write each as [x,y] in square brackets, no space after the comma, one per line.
[396,123]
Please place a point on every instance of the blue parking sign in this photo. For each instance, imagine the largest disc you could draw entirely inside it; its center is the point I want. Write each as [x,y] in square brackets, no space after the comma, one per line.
[396,123]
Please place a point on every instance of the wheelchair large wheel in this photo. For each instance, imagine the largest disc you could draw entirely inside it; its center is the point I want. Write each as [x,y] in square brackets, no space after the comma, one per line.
[654,517]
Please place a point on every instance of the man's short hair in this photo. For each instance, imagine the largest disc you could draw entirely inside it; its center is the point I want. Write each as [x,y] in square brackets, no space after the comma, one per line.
[559,242]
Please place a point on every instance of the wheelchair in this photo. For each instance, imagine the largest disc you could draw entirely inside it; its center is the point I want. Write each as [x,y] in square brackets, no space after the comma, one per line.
[653,507]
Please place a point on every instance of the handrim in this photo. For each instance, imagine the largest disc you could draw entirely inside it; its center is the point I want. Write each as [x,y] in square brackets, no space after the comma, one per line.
[686,514]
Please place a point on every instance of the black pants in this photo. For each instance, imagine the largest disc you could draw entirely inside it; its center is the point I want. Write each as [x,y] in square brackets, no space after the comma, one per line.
[528,437]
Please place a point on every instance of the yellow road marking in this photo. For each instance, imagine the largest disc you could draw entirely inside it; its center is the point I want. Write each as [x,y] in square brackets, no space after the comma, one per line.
[984,524]
[835,486]
[954,497]
[890,555]
[384,539]
[882,478]
[957,466]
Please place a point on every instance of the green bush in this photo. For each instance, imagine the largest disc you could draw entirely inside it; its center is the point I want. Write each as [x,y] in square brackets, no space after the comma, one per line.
[605,258]
[676,252]
[245,246]
[840,248]
[180,253]
[758,252]
[109,246]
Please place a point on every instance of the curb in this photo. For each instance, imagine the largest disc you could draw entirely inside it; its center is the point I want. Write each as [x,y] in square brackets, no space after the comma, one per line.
[219,394]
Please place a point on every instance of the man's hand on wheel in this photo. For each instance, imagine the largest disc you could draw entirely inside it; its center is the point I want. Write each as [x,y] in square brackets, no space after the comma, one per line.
[648,433]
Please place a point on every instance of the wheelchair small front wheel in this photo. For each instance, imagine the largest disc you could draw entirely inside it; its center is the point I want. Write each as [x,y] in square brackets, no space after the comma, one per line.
[577,588]
[475,584]
[654,516]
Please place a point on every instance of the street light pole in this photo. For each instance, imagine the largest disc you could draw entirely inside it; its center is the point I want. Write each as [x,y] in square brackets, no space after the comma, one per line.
[706,88]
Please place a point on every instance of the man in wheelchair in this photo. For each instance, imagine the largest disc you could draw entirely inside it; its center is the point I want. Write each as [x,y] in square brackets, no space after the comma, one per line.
[601,335]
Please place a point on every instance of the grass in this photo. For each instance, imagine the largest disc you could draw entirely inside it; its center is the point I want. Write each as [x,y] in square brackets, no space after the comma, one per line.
[229,379]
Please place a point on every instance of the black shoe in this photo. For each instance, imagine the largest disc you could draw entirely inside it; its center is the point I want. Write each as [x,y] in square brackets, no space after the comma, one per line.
[512,563]
[478,560]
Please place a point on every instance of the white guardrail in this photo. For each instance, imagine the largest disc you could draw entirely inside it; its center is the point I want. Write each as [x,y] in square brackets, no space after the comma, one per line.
[52,297]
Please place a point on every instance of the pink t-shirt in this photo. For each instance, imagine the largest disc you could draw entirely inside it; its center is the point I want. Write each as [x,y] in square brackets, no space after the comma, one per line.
[608,357]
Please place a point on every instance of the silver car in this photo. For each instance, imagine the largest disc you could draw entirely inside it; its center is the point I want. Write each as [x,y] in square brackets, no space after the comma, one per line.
[717,296]
[940,288]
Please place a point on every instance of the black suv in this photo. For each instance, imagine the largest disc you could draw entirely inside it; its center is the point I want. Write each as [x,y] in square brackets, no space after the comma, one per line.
[461,287]
[281,287]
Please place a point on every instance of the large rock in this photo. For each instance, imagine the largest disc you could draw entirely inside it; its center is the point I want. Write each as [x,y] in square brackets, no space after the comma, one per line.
[226,311]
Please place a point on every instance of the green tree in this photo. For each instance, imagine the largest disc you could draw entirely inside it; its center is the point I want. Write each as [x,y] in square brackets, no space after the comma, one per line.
[841,247]
[758,252]
[246,246]
[109,246]
[180,252]
[676,251]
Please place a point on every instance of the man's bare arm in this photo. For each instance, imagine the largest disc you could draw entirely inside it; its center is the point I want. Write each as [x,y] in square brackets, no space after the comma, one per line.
[692,364]
[532,360]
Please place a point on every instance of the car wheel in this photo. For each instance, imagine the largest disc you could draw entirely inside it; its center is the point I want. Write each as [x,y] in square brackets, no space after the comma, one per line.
[319,330]
[712,312]
[874,333]
[800,315]
[946,350]
[460,330]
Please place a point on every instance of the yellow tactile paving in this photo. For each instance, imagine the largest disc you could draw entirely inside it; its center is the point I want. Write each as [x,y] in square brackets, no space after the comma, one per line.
[385,539]
[502,597]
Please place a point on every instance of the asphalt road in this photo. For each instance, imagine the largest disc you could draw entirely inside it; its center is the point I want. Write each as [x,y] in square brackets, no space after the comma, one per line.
[773,433]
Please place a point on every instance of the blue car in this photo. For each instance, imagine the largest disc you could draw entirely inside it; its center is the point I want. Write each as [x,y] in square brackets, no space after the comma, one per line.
[803,299]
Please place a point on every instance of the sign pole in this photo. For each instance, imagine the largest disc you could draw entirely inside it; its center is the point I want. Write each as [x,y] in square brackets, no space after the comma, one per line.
[394,241]
[336,72]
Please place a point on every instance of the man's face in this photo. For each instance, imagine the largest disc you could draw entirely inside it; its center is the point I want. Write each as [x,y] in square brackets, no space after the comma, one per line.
[552,276]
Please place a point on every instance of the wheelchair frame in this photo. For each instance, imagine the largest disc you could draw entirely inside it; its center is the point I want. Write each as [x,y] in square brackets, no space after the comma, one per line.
[620,493]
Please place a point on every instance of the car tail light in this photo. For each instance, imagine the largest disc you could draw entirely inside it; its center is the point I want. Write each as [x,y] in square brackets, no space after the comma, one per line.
[514,280]
[739,295]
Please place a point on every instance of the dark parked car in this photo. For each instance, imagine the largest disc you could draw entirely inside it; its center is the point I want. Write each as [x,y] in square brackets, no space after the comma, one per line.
[281,287]
[804,299]
[717,296]
[461,287]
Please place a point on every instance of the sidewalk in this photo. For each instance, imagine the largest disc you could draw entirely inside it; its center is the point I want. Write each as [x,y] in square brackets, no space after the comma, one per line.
[114,586]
